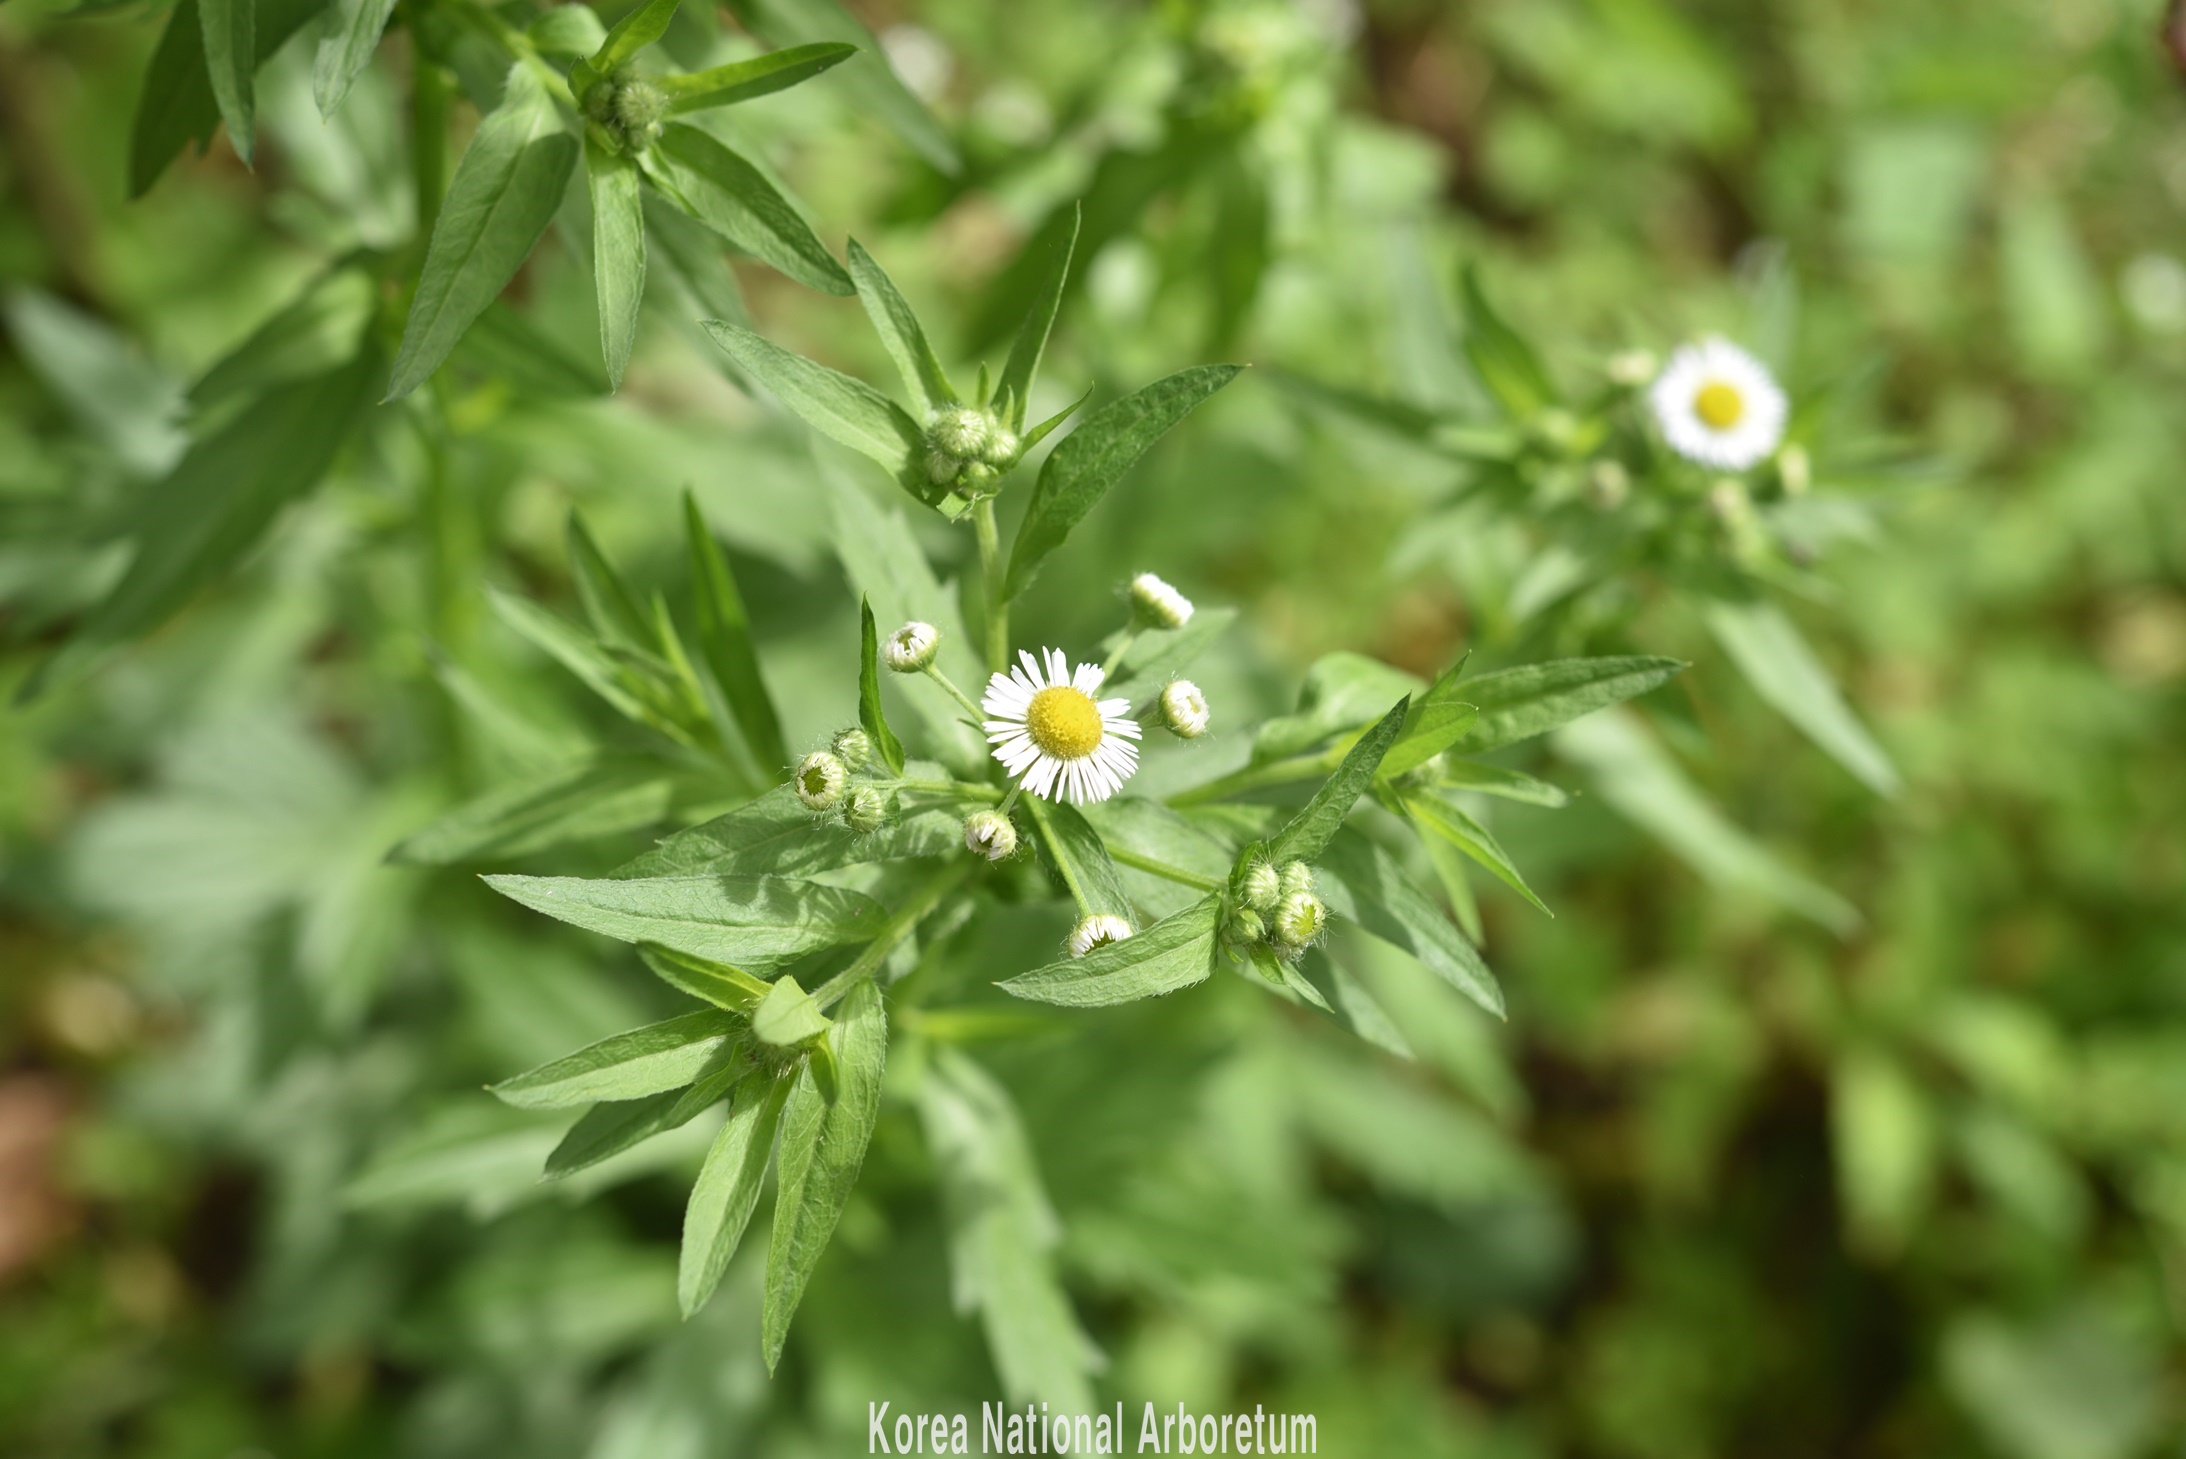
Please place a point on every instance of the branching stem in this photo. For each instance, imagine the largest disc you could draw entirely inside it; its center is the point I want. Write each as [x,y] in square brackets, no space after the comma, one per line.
[900,925]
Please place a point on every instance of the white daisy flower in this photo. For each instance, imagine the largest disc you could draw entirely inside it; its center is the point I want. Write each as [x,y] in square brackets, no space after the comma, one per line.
[1096,931]
[1158,603]
[1718,405]
[1047,728]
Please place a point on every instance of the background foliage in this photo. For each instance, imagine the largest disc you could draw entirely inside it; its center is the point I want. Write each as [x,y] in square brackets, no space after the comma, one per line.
[1905,1175]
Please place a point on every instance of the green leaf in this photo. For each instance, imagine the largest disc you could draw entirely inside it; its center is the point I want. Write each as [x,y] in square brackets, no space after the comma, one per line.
[1437,721]
[727,1190]
[318,332]
[1508,784]
[787,1016]
[844,410]
[823,1144]
[1311,828]
[177,106]
[744,80]
[1437,815]
[725,643]
[612,611]
[900,331]
[618,250]
[703,978]
[1160,654]
[1079,472]
[1361,882]
[753,922]
[567,30]
[577,652]
[866,82]
[601,795]
[1174,953]
[633,33]
[503,195]
[483,1155]
[1003,1236]
[1884,1138]
[631,1065]
[612,1127]
[231,61]
[1775,659]
[1505,363]
[1342,691]
[1643,784]
[347,47]
[885,743]
[1080,858]
[1517,704]
[199,522]
[775,833]
[1023,365]
[732,197]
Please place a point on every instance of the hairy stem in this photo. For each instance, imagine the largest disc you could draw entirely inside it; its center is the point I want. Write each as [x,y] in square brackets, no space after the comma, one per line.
[954,789]
[990,574]
[1124,857]
[933,672]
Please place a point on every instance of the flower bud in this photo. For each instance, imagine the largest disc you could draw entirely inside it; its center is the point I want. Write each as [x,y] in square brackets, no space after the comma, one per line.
[1246,925]
[629,107]
[1794,470]
[1157,604]
[1002,448]
[819,780]
[911,648]
[990,834]
[1097,931]
[1296,877]
[1607,483]
[1300,921]
[1729,504]
[867,809]
[1632,368]
[977,479]
[1262,887]
[1184,710]
[959,431]
[853,747]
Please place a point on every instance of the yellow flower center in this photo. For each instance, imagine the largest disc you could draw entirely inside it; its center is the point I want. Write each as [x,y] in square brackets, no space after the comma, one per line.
[1064,722]
[1718,405]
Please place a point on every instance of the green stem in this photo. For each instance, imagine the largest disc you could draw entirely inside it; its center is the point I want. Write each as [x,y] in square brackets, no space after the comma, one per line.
[933,672]
[1255,777]
[1123,646]
[955,789]
[429,97]
[518,45]
[990,573]
[1123,857]
[900,925]
[1063,863]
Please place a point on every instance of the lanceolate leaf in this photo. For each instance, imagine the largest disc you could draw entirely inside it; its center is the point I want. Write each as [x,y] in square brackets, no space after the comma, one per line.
[177,106]
[1508,784]
[866,81]
[743,80]
[725,642]
[231,61]
[504,193]
[1437,815]
[1079,472]
[1362,883]
[838,407]
[197,523]
[728,1187]
[823,1144]
[601,795]
[900,331]
[875,723]
[346,49]
[1174,953]
[1438,718]
[320,331]
[610,1128]
[1505,362]
[705,979]
[631,1065]
[608,604]
[734,198]
[776,833]
[577,652]
[1775,659]
[618,250]
[1079,857]
[633,33]
[1516,704]
[1023,365]
[1312,827]
[752,922]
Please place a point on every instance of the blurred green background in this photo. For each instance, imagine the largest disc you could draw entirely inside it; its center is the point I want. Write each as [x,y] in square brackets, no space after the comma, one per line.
[1726,1183]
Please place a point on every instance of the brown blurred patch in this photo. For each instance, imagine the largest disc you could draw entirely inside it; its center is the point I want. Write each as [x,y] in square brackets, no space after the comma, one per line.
[35,1213]
[1422,630]
[2174,36]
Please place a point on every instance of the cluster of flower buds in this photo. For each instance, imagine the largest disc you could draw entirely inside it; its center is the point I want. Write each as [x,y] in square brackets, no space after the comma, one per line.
[969,450]
[1278,908]
[822,783]
[629,108]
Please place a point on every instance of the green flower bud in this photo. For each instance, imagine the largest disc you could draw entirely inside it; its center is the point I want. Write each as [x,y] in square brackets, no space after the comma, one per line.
[868,809]
[1300,921]
[990,834]
[1297,877]
[1247,926]
[853,747]
[1261,888]
[819,780]
[911,648]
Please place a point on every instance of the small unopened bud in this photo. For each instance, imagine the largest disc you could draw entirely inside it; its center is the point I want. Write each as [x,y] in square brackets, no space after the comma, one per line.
[990,834]
[853,747]
[1002,448]
[1632,368]
[1097,931]
[1296,877]
[1184,710]
[1607,483]
[1728,502]
[911,648]
[1158,604]
[867,809]
[1246,925]
[1262,887]
[1795,470]
[959,431]
[819,780]
[1300,920]
[977,479]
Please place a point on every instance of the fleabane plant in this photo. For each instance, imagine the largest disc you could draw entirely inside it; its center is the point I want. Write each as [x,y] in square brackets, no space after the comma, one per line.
[840,889]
